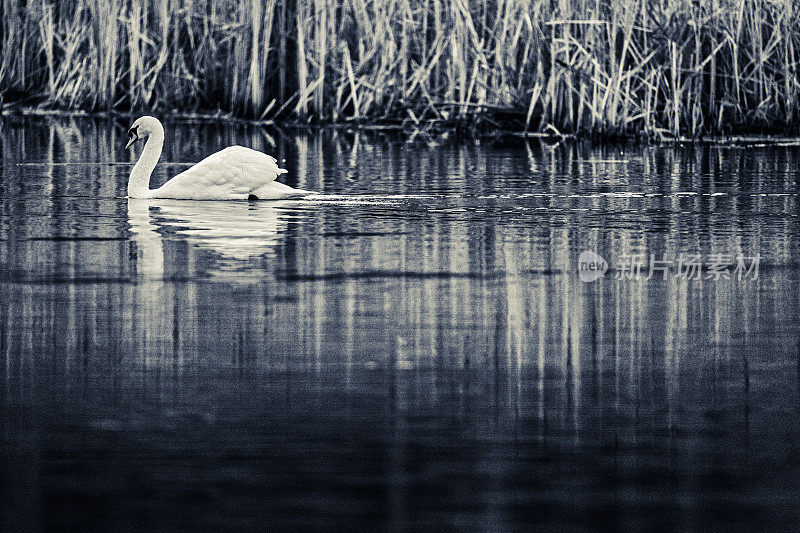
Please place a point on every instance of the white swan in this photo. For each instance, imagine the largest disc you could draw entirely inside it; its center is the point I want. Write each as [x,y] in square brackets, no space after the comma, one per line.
[235,173]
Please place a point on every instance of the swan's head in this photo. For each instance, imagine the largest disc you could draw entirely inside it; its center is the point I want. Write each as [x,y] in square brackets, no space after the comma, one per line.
[141,128]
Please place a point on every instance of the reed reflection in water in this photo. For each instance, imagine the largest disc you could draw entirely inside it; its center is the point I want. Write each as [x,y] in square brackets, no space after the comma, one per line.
[417,348]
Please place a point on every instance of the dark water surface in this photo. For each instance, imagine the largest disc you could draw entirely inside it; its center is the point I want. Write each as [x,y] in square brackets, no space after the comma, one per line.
[415,349]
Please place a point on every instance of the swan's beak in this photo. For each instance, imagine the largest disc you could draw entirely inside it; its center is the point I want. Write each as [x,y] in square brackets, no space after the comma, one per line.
[132,137]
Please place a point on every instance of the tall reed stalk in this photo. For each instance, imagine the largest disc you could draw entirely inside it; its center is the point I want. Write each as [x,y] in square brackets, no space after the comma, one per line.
[678,67]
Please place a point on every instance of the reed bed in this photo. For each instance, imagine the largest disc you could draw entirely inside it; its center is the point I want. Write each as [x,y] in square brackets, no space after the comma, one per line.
[658,67]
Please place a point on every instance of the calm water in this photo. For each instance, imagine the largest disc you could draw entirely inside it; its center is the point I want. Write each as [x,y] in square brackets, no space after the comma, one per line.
[414,348]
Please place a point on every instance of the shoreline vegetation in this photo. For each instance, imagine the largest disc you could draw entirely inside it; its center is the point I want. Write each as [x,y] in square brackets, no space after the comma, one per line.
[680,70]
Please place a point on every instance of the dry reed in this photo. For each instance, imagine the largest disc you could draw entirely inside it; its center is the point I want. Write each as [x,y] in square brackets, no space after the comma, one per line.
[663,67]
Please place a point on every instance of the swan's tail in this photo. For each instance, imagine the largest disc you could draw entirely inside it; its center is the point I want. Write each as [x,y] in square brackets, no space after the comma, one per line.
[278,191]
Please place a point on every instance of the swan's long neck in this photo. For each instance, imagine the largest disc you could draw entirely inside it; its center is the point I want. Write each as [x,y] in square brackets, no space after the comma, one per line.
[139,180]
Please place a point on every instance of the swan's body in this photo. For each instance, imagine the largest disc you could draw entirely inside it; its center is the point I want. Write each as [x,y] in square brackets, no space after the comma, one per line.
[235,173]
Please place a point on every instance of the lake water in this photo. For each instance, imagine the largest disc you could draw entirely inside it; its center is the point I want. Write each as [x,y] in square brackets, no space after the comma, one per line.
[412,348]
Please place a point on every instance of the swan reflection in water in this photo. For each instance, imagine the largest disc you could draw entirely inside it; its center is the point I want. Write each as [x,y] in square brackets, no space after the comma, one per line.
[233,231]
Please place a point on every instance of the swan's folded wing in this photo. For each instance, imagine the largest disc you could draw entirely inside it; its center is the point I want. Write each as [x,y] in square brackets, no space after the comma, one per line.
[231,173]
